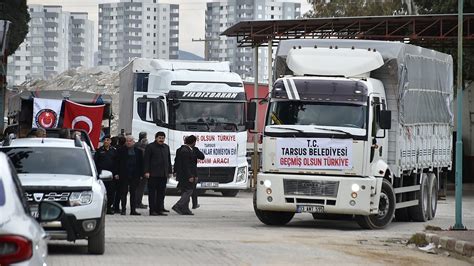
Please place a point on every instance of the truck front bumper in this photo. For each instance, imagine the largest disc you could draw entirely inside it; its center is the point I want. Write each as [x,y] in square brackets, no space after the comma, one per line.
[337,194]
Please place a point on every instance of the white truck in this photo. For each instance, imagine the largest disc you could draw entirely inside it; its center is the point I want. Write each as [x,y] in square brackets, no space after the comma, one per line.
[182,98]
[354,127]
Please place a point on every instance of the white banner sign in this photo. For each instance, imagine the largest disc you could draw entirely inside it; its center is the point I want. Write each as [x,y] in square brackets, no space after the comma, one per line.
[46,113]
[314,153]
[220,150]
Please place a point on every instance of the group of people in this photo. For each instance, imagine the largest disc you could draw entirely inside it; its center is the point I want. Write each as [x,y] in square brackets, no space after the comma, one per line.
[136,166]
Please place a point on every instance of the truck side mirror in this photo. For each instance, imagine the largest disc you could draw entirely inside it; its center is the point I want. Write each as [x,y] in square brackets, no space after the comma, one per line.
[251,114]
[385,121]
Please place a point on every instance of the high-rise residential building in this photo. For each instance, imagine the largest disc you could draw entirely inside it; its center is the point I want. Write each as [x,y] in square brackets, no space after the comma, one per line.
[51,42]
[137,28]
[221,14]
[81,45]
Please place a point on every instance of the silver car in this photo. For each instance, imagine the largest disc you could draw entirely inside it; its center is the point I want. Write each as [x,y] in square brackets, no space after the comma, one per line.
[22,240]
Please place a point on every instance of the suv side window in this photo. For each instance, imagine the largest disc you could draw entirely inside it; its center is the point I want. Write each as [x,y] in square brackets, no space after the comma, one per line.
[19,189]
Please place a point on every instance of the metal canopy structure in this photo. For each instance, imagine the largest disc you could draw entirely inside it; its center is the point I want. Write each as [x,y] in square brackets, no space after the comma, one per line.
[423,30]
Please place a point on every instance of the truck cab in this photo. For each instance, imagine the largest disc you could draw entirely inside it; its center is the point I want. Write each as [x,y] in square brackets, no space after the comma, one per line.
[204,99]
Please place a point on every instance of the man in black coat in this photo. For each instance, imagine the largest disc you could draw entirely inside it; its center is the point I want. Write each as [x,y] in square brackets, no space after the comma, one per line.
[157,166]
[185,166]
[105,159]
[130,169]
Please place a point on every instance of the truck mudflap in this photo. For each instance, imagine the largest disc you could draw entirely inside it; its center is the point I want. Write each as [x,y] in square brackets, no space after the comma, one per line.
[318,194]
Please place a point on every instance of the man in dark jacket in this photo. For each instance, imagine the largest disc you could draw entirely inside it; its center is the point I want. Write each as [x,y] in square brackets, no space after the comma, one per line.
[130,169]
[157,168]
[141,145]
[105,159]
[185,166]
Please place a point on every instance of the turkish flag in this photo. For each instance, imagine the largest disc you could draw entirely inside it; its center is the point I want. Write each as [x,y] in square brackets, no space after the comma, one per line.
[86,117]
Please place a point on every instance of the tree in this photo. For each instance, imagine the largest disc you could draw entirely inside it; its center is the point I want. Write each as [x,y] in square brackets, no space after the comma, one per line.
[450,7]
[443,6]
[16,11]
[345,8]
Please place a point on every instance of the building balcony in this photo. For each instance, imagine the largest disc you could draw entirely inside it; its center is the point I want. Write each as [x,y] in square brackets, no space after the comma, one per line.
[50,34]
[78,31]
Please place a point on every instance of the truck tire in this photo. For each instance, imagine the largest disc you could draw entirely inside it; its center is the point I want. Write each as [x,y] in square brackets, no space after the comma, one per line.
[386,209]
[420,212]
[433,181]
[96,243]
[230,193]
[402,215]
[271,217]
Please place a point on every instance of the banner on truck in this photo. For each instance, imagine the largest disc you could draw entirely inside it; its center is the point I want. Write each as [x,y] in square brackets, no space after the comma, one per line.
[314,153]
[86,117]
[220,150]
[46,113]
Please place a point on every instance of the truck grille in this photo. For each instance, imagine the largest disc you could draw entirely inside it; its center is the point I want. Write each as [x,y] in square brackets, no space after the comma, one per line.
[59,197]
[216,174]
[298,187]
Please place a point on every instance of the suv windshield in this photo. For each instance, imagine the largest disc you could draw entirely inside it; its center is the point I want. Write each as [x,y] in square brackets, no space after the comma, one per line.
[48,160]
[318,114]
[212,116]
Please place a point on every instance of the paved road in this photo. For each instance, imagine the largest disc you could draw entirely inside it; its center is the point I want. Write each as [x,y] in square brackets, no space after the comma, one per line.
[225,231]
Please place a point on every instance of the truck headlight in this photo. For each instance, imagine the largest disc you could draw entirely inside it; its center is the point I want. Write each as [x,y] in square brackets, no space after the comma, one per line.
[80,198]
[355,187]
[241,172]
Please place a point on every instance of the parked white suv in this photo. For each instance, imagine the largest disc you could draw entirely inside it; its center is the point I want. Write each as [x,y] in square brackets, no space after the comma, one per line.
[63,171]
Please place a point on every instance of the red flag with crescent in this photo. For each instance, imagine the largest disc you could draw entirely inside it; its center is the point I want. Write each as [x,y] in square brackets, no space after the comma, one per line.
[85,117]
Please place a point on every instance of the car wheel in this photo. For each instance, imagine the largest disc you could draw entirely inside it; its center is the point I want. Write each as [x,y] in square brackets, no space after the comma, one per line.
[96,243]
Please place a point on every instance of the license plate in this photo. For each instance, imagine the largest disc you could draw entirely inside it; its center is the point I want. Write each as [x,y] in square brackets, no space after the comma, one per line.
[209,184]
[34,210]
[310,209]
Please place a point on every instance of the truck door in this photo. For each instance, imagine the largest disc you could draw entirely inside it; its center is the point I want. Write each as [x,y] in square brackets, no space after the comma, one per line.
[379,146]
[152,110]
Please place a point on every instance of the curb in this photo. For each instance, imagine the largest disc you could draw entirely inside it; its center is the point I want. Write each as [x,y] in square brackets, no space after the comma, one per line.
[464,248]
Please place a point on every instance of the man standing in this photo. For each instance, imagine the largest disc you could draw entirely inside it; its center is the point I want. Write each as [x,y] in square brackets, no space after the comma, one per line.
[141,145]
[130,169]
[157,170]
[186,173]
[104,159]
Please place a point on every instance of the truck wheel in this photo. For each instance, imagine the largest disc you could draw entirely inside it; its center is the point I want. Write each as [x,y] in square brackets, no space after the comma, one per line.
[402,215]
[271,217]
[96,243]
[386,209]
[230,193]
[420,212]
[433,195]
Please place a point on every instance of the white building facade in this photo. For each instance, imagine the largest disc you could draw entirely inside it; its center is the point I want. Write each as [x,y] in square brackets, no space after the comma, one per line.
[48,48]
[221,14]
[138,28]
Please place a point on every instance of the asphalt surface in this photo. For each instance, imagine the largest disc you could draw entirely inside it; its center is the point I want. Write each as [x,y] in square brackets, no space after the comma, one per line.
[225,231]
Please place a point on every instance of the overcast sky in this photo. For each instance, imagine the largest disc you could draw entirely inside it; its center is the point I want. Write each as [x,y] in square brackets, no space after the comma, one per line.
[191,17]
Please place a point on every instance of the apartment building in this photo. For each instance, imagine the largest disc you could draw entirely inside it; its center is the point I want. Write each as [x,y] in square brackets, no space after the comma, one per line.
[137,28]
[48,48]
[222,14]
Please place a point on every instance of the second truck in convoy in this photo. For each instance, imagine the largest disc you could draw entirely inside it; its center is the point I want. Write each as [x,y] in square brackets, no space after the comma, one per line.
[355,127]
[182,98]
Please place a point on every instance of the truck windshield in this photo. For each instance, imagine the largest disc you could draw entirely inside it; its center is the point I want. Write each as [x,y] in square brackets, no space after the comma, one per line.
[316,113]
[48,160]
[209,116]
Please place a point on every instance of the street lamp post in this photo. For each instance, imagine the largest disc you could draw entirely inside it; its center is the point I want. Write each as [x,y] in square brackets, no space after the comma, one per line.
[458,187]
[4,24]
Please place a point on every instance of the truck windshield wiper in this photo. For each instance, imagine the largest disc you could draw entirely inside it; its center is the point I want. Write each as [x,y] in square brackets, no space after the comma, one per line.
[236,127]
[197,123]
[289,128]
[335,130]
